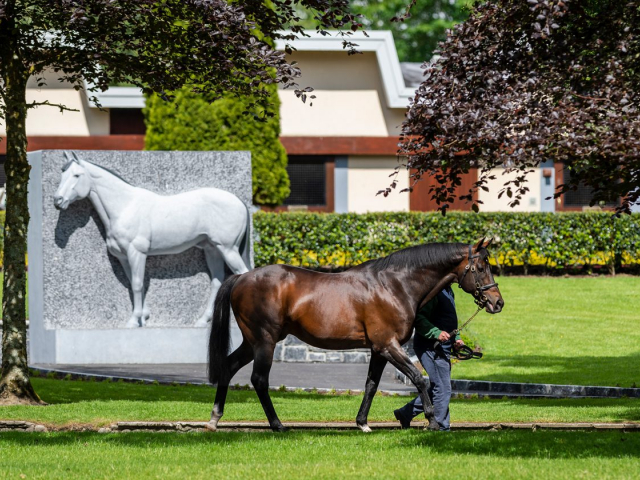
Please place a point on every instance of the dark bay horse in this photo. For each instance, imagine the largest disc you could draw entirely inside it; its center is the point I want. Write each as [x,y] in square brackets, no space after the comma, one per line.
[371,305]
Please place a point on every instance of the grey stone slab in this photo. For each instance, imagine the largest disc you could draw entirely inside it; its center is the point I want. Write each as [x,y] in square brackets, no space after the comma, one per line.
[295,354]
[292,340]
[277,353]
[75,284]
[355,357]
[317,357]
[334,357]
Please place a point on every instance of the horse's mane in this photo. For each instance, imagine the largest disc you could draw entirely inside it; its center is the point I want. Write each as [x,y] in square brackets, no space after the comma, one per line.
[108,170]
[429,254]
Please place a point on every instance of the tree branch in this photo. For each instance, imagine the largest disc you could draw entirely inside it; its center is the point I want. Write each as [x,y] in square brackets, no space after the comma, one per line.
[47,103]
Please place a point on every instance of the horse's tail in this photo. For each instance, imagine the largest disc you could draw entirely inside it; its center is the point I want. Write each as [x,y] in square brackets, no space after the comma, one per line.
[220,333]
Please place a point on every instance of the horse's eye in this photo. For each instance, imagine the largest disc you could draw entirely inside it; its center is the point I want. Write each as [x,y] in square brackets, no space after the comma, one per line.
[77,175]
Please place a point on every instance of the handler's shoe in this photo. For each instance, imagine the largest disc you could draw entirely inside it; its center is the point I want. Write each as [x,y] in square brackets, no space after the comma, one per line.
[404,422]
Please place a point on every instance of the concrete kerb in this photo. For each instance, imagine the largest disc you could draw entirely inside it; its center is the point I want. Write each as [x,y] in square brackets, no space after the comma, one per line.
[488,389]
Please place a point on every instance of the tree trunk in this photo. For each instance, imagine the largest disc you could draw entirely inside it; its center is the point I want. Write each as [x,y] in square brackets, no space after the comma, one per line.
[15,386]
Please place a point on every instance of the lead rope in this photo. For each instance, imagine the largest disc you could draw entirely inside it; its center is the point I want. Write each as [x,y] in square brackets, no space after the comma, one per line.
[453,334]
[458,330]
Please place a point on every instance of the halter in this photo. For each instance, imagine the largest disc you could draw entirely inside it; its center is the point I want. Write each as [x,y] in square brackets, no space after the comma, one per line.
[480,298]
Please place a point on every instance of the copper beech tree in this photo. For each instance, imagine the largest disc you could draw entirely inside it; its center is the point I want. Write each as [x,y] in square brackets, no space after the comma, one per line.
[525,81]
[212,46]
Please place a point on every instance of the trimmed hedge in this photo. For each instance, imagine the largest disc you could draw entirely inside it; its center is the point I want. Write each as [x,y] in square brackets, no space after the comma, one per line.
[192,122]
[522,241]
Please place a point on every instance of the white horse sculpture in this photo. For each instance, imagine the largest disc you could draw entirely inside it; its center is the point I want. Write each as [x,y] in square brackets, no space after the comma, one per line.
[140,223]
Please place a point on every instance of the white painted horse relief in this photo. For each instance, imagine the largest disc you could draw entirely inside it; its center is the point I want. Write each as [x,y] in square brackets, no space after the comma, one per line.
[140,223]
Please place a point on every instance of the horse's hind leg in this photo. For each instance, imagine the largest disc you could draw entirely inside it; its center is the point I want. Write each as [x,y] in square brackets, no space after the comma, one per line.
[376,367]
[238,359]
[399,359]
[215,263]
[263,358]
[233,259]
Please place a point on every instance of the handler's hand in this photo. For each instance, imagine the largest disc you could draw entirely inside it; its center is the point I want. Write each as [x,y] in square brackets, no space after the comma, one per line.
[459,344]
[444,337]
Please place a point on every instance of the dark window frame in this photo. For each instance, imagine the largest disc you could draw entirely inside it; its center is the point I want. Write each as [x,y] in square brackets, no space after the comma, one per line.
[329,169]
[574,204]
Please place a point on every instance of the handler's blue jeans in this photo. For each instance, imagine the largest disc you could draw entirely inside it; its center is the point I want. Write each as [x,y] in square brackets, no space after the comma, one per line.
[438,366]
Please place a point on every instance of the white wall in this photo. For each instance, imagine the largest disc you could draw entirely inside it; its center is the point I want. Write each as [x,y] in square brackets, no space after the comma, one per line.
[50,121]
[368,175]
[333,114]
[336,71]
[529,203]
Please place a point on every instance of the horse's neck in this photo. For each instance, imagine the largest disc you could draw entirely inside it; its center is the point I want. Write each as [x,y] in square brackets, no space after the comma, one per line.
[110,195]
[424,284]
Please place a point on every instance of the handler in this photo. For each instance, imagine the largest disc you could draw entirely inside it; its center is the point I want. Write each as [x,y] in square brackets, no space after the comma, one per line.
[432,345]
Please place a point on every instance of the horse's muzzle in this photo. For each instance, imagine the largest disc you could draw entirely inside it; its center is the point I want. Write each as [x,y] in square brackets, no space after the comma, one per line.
[60,203]
[494,308]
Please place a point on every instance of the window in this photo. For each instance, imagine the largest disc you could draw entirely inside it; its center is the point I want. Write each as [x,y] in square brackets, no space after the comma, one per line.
[308,177]
[126,121]
[580,197]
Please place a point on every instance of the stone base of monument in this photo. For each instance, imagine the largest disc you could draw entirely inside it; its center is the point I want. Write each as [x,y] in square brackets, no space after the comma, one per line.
[141,345]
[292,349]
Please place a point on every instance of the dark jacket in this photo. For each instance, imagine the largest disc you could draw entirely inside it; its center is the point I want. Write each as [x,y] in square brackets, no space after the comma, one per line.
[437,315]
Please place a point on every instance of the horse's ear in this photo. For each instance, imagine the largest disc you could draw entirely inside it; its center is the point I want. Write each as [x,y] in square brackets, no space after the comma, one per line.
[75,157]
[478,245]
[489,243]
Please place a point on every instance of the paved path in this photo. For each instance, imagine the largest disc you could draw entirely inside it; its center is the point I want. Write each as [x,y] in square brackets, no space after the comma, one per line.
[341,376]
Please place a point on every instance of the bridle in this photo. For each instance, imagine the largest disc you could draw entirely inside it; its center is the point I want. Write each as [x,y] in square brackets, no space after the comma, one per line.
[480,298]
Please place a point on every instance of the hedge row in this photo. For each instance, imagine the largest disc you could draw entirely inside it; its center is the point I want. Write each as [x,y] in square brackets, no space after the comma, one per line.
[522,241]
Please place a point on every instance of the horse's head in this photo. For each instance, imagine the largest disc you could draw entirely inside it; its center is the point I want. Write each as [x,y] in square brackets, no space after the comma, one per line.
[475,277]
[75,183]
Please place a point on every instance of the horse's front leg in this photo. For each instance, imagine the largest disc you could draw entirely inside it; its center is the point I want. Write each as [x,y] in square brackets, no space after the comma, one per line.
[376,367]
[137,260]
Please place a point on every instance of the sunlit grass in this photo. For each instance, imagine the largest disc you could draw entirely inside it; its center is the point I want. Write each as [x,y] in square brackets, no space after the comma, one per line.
[322,454]
[574,330]
[100,403]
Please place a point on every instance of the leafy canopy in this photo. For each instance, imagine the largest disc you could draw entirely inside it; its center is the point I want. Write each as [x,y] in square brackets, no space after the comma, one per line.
[214,46]
[418,35]
[521,82]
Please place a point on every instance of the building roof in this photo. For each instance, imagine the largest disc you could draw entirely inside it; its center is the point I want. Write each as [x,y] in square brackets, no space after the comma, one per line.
[398,87]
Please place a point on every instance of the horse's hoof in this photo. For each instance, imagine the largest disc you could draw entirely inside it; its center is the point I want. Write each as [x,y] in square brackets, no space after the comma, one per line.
[133,323]
[210,427]
[280,429]
[365,428]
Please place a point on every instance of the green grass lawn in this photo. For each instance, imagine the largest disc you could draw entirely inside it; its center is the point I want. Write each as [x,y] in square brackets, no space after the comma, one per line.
[322,454]
[574,330]
[100,403]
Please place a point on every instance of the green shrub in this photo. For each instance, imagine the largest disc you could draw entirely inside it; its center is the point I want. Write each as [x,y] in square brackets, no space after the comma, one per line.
[544,241]
[191,122]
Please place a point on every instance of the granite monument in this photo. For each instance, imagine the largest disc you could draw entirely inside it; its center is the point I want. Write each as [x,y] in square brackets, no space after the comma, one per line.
[127,239]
